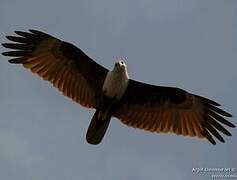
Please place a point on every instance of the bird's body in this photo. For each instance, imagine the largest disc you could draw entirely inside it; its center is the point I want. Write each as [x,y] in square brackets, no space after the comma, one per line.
[114,94]
[114,87]
[116,81]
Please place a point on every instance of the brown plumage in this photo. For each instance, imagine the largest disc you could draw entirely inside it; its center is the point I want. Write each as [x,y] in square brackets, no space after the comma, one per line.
[65,66]
[152,108]
[166,109]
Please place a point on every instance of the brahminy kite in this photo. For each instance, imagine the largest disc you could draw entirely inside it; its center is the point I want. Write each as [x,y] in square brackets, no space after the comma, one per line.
[113,94]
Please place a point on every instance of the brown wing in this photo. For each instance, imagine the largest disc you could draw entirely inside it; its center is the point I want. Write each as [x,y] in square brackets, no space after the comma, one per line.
[167,109]
[64,65]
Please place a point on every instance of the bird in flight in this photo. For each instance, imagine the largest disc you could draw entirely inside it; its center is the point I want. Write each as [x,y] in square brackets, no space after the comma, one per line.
[113,94]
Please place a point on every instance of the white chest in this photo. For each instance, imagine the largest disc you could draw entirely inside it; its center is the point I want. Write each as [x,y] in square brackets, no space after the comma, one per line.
[115,84]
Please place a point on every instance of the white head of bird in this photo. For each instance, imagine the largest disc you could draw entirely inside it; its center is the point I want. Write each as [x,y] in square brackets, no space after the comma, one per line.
[120,66]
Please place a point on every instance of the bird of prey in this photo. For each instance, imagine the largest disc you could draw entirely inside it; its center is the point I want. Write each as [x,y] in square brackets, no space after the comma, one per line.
[113,94]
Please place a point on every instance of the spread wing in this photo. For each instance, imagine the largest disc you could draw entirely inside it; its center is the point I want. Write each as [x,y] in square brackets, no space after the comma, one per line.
[64,65]
[167,109]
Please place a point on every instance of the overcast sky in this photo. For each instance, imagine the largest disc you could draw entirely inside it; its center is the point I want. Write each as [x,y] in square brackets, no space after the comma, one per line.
[191,44]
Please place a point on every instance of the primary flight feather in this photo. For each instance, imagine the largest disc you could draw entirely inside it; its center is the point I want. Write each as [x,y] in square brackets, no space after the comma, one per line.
[113,93]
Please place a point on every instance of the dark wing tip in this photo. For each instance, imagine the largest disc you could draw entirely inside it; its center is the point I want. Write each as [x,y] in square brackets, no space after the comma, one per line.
[219,111]
[10,37]
[213,117]
[219,118]
[40,33]
[232,125]
[214,122]
[208,101]
[211,140]
[228,114]
[4,53]
[34,31]
[209,137]
[15,53]
[5,45]
[216,133]
[23,44]
[21,33]
[16,61]
[18,39]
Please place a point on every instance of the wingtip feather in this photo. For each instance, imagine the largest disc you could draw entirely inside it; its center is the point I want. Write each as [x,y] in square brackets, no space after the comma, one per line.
[16,61]
[5,53]
[4,45]
[40,33]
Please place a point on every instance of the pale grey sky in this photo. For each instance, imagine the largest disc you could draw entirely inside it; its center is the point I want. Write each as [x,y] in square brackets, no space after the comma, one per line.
[191,44]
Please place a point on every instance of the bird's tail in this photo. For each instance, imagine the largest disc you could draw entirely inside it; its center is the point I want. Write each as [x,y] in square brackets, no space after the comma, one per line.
[97,128]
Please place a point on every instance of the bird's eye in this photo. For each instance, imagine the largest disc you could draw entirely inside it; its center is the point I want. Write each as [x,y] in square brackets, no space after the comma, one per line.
[122,62]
